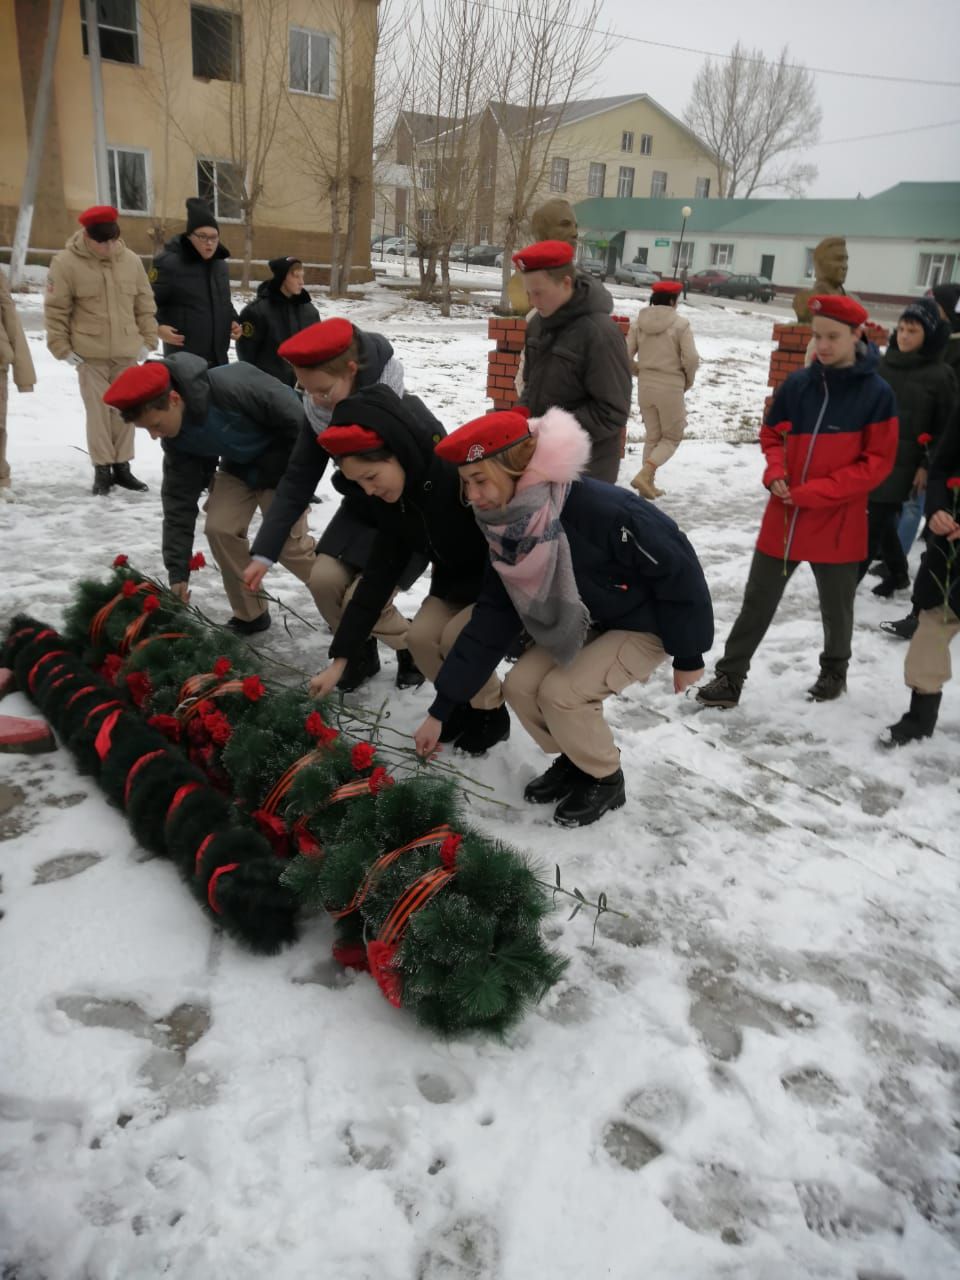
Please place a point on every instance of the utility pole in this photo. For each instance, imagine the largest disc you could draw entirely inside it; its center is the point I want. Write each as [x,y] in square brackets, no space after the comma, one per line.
[96,94]
[38,134]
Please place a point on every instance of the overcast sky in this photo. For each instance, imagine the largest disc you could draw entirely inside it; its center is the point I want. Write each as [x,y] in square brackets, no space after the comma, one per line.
[916,38]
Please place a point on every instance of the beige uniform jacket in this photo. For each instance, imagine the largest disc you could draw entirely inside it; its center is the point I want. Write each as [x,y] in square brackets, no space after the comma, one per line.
[102,309]
[14,352]
[661,349]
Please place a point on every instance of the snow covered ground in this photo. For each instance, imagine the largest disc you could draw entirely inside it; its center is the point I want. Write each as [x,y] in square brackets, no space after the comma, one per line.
[752,1077]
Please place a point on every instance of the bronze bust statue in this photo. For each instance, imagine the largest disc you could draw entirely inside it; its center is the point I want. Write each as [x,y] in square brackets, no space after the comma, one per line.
[553,220]
[829,270]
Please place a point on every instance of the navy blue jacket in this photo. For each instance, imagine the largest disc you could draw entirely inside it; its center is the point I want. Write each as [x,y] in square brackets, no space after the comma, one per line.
[635,571]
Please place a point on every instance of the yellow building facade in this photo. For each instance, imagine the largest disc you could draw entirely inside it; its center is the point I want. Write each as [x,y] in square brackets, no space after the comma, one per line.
[215,99]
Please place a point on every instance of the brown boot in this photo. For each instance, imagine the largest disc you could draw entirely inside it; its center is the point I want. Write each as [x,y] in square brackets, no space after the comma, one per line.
[643,482]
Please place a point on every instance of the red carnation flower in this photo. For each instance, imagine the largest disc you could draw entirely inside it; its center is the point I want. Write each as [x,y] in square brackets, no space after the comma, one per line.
[129,588]
[197,561]
[151,603]
[783,428]
[315,727]
[351,955]
[448,850]
[218,727]
[138,683]
[111,666]
[925,438]
[221,667]
[205,707]
[197,729]
[361,757]
[953,482]
[169,726]
[380,956]
[253,688]
[379,779]
[120,561]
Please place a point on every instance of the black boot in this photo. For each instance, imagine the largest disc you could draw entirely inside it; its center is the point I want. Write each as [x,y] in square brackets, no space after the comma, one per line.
[590,799]
[454,724]
[828,686]
[409,675]
[887,586]
[102,480]
[554,783]
[361,668]
[723,691]
[124,477]
[484,729]
[250,627]
[919,722]
[902,628]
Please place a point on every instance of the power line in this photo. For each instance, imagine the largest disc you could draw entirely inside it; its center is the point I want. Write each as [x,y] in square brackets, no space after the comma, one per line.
[891,133]
[712,53]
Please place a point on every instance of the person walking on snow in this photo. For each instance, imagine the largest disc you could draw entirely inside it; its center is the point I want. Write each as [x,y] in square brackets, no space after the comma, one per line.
[664,357]
[191,283]
[15,355]
[606,585]
[243,420]
[829,438]
[101,318]
[281,309]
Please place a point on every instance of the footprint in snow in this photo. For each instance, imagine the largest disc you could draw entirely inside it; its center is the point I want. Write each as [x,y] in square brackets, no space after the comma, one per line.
[467,1249]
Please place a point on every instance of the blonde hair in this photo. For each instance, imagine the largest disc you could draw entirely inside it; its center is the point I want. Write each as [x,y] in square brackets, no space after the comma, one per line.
[514,461]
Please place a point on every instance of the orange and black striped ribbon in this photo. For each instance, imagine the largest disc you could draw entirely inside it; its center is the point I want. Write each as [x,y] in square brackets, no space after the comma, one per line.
[283,785]
[99,620]
[436,836]
[416,896]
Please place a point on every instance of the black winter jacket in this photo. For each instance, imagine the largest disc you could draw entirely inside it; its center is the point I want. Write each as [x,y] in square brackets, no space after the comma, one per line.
[270,319]
[577,360]
[926,392]
[635,571]
[236,415]
[193,295]
[928,590]
[430,519]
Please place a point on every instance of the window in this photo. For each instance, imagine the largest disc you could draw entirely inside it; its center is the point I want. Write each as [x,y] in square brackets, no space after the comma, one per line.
[658,185]
[486,176]
[483,233]
[641,256]
[117,25]
[559,172]
[626,140]
[683,255]
[646,144]
[721,255]
[702,189]
[808,265]
[216,38]
[935,268]
[129,191]
[625,183]
[220,185]
[311,62]
[596,177]
[427,174]
[425,222]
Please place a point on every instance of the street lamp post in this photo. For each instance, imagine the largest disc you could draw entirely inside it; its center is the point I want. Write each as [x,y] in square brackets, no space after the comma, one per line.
[685,213]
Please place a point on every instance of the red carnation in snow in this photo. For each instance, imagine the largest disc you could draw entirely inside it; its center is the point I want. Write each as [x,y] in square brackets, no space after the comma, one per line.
[221,667]
[361,756]
[197,561]
[448,850]
[379,779]
[953,482]
[151,603]
[218,727]
[129,588]
[925,438]
[351,955]
[111,666]
[138,683]
[169,726]
[120,561]
[380,956]
[253,688]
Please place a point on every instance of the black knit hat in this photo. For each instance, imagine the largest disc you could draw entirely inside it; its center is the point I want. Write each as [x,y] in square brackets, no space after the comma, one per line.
[924,312]
[280,268]
[199,215]
[948,297]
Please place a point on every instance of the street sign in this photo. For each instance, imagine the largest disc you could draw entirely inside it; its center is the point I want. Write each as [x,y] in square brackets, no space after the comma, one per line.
[661,244]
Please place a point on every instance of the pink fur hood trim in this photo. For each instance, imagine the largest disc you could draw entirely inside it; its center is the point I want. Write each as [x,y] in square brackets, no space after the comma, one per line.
[562,452]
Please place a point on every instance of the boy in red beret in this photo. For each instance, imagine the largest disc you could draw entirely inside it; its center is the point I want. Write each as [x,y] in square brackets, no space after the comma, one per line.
[574,356]
[101,318]
[829,438]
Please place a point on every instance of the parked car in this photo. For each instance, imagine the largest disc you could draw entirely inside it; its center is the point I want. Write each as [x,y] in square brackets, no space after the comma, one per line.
[635,273]
[701,281]
[594,267]
[458,250]
[484,255]
[749,287]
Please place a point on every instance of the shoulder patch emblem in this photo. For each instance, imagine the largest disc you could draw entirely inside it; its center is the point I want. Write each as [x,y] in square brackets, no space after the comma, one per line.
[247,329]
[153,274]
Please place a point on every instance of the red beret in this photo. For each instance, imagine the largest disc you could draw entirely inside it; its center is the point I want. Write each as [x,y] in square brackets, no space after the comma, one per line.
[97,214]
[667,286]
[543,255]
[484,437]
[838,306]
[137,385]
[318,343]
[340,441]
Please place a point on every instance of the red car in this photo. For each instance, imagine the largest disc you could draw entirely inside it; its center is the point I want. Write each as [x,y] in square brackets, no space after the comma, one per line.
[705,280]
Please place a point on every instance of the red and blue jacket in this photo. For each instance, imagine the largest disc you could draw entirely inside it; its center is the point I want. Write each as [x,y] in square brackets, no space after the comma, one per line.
[831,434]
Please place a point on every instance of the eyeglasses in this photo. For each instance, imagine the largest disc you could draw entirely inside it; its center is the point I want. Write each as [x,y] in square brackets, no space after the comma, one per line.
[207,239]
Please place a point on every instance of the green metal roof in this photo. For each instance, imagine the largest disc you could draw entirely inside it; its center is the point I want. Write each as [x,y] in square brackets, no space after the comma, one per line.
[909,211]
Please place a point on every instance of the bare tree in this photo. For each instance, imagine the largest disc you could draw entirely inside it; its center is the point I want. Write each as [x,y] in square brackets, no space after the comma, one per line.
[755,116]
[164,64]
[547,52]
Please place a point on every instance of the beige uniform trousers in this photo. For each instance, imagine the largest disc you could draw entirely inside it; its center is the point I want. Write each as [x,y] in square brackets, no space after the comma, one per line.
[332,584]
[109,438]
[4,464]
[562,707]
[230,509]
[431,637]
[927,668]
[664,414]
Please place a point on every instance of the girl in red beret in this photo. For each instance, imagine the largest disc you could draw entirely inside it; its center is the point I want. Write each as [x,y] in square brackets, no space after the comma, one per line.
[606,586]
